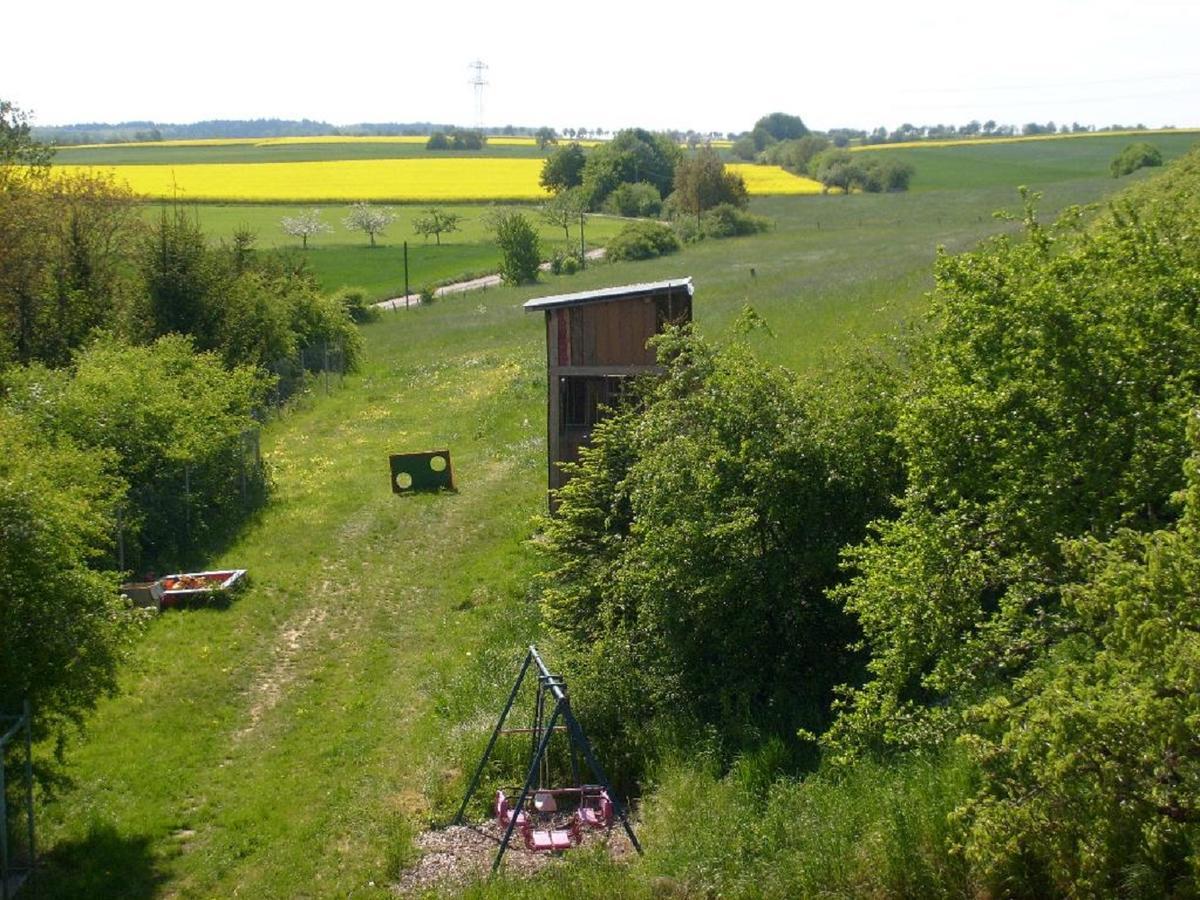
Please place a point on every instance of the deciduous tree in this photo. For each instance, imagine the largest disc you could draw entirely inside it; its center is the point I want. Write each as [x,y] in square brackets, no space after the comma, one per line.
[371,220]
[563,168]
[702,182]
[564,209]
[304,225]
[437,222]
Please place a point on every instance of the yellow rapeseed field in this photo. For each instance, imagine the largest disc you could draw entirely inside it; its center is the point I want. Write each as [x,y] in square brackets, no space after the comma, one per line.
[398,180]
[394,180]
[773,180]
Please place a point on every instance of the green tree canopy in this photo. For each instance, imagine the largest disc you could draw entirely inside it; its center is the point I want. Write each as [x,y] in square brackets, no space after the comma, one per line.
[704,523]
[1047,401]
[632,155]
[703,182]
[519,244]
[437,222]
[563,168]
[1134,157]
[63,627]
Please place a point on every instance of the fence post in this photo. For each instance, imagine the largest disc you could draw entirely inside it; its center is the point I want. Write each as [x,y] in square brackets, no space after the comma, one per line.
[121,538]
[187,503]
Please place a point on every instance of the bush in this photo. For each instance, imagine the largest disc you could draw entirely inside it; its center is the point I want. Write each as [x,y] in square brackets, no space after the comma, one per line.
[1093,770]
[687,229]
[457,139]
[354,301]
[642,240]
[795,155]
[744,148]
[1047,402]
[63,627]
[173,421]
[729,221]
[704,522]
[1134,157]
[519,245]
[638,200]
[564,263]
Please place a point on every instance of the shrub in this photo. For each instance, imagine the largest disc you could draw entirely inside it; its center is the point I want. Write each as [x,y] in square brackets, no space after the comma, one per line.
[63,627]
[173,421]
[1134,157]
[642,240]
[687,229]
[729,221]
[1047,402]
[570,265]
[358,307]
[638,200]
[704,522]
[519,245]
[795,155]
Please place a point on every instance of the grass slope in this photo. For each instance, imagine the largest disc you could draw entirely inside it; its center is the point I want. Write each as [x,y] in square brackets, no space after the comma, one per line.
[286,746]
[1032,162]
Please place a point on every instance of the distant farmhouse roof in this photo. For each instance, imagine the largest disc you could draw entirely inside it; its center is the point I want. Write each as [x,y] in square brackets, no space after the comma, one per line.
[622,292]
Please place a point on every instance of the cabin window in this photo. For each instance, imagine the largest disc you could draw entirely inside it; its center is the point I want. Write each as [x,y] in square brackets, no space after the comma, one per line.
[583,398]
[673,309]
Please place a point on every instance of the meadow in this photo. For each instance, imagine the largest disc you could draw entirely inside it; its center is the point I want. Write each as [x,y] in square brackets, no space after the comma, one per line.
[344,258]
[291,745]
[1034,160]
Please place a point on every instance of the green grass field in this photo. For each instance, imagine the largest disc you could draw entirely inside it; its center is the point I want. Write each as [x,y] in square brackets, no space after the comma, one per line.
[290,745]
[1035,163]
[343,257]
[152,154]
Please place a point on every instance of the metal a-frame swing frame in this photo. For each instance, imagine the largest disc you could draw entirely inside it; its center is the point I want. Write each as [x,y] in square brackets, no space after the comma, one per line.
[550,687]
[13,728]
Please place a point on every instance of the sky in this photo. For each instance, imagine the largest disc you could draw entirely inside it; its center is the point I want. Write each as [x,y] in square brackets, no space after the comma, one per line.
[608,64]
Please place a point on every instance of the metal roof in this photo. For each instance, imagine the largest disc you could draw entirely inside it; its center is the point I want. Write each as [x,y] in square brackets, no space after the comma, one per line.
[621,292]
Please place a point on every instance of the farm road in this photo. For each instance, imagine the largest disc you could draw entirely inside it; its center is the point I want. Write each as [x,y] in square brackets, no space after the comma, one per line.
[461,287]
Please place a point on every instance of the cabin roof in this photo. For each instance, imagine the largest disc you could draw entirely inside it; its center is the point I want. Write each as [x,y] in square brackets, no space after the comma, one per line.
[621,292]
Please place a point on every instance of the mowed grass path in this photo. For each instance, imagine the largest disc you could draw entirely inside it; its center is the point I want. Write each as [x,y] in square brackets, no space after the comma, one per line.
[286,746]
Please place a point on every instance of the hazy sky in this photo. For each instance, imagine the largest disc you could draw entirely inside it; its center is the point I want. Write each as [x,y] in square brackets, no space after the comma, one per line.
[607,64]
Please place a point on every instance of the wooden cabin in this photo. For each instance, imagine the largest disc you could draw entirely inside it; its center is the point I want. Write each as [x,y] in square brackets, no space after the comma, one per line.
[594,341]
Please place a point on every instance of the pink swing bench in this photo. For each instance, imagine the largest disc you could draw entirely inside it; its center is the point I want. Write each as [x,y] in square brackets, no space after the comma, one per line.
[539,840]
[596,809]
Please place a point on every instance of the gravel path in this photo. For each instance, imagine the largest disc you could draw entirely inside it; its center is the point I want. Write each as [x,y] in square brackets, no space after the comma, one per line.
[460,854]
[461,287]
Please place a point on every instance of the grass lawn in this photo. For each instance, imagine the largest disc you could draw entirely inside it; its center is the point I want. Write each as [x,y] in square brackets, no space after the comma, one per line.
[288,746]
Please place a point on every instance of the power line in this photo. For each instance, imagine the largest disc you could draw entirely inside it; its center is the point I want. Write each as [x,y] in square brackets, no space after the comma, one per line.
[477,80]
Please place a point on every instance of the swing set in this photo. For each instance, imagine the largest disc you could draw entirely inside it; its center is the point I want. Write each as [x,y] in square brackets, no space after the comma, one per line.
[550,818]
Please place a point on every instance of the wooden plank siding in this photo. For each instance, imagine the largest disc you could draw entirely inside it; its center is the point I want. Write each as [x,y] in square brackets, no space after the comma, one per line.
[590,343]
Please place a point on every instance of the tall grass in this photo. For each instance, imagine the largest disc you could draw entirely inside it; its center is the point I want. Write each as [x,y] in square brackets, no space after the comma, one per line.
[871,831]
